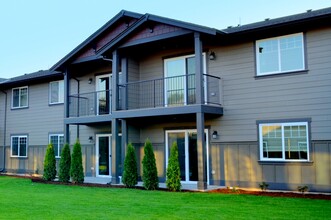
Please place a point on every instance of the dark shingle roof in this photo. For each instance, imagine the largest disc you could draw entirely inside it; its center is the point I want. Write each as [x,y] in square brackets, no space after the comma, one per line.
[41,74]
[280,21]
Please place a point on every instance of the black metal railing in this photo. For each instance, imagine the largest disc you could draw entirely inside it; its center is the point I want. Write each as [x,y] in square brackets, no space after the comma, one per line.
[163,92]
[169,91]
[89,104]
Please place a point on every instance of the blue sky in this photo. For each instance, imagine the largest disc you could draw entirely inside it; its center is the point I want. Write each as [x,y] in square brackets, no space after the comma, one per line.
[35,34]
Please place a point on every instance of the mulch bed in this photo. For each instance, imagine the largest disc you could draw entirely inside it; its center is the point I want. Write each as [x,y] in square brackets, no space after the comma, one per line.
[274,194]
[222,191]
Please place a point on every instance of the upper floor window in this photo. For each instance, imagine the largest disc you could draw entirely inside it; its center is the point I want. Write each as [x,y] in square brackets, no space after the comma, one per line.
[280,54]
[56,92]
[57,140]
[19,146]
[20,97]
[284,141]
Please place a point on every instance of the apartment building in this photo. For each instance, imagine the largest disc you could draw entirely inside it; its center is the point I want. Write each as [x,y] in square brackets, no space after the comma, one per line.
[246,104]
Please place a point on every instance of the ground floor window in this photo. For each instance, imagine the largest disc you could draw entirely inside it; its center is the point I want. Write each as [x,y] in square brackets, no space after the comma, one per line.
[284,141]
[19,146]
[57,140]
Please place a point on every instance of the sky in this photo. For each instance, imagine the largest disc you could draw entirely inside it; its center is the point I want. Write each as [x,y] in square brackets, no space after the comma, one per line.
[35,34]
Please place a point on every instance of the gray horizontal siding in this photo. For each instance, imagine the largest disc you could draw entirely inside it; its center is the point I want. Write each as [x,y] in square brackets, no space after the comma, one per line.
[247,99]
[236,164]
[38,119]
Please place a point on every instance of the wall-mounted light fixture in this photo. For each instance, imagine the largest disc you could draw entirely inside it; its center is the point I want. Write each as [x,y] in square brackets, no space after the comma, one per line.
[212,55]
[214,135]
[90,80]
[90,139]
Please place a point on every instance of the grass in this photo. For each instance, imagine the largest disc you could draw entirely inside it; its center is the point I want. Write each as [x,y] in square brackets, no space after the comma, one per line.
[22,199]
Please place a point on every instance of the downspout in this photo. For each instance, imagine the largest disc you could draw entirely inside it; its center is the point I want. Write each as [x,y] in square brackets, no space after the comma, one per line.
[4,134]
[78,91]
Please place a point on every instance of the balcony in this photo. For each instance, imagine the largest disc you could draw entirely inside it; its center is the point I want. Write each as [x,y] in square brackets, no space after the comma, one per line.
[160,93]
[90,104]
[168,92]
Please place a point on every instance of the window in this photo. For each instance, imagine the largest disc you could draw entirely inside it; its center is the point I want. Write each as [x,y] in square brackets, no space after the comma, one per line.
[57,140]
[56,92]
[180,80]
[280,54]
[284,141]
[19,146]
[20,97]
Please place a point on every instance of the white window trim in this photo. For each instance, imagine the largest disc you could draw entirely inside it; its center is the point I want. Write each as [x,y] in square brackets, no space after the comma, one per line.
[59,146]
[19,101]
[258,73]
[282,124]
[18,148]
[50,93]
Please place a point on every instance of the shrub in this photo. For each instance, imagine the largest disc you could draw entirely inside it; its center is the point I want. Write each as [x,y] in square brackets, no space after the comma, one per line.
[49,164]
[65,162]
[76,168]
[150,179]
[173,170]
[130,174]
[303,189]
[264,186]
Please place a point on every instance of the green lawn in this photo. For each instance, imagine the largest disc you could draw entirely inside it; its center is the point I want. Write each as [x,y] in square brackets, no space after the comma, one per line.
[22,199]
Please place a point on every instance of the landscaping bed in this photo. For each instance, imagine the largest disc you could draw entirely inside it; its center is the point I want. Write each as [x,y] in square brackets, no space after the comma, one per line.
[273,193]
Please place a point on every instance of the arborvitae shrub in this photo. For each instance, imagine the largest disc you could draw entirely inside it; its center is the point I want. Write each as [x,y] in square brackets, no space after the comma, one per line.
[65,162]
[173,170]
[49,164]
[76,168]
[150,179]
[130,175]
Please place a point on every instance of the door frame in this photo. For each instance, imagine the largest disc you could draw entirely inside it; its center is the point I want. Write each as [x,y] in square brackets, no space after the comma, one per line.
[97,90]
[204,71]
[186,131]
[97,155]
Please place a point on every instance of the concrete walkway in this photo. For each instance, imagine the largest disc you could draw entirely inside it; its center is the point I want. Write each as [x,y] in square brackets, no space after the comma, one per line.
[105,180]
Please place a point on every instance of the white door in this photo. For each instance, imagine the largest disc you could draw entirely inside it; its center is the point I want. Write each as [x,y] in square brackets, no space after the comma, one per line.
[103,155]
[187,153]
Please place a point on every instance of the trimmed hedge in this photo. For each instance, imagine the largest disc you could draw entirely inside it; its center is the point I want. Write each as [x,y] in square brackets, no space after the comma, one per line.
[150,178]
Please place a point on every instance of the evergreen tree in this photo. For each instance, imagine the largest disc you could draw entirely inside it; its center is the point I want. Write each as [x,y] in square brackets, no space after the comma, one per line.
[65,162]
[173,170]
[49,164]
[130,174]
[76,168]
[150,179]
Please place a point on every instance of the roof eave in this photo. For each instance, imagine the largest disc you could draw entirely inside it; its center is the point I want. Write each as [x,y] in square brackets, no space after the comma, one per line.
[121,14]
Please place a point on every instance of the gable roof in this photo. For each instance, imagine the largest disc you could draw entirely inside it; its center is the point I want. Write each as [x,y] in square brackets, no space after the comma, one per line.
[39,75]
[141,20]
[149,17]
[270,23]
[120,15]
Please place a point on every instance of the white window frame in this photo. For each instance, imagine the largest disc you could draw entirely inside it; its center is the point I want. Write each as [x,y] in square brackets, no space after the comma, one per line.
[279,71]
[18,147]
[57,154]
[168,146]
[204,71]
[262,144]
[19,100]
[60,97]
